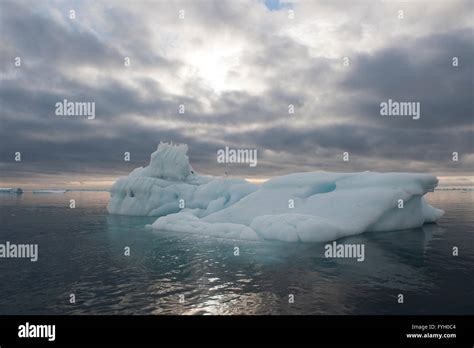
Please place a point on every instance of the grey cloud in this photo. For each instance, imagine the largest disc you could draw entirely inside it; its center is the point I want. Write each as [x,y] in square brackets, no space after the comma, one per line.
[337,109]
[421,70]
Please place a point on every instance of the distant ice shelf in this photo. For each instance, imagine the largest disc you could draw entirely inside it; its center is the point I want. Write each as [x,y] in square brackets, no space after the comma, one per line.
[307,207]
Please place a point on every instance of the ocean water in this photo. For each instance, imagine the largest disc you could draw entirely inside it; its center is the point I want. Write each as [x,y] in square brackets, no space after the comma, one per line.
[81,252]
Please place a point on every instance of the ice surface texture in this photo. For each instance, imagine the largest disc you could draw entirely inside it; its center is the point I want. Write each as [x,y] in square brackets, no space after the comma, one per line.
[308,207]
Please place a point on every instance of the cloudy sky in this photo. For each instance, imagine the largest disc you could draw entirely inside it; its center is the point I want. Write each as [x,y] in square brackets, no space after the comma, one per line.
[236,66]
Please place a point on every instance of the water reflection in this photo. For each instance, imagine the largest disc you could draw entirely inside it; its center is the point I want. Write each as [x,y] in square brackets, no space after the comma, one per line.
[82,252]
[213,281]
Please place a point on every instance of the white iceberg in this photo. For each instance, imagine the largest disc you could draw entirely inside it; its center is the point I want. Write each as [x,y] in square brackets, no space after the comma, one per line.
[49,191]
[308,207]
[168,183]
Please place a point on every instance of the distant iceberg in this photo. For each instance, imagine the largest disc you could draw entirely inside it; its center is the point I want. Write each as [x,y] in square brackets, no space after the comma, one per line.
[307,207]
[455,189]
[17,191]
[49,191]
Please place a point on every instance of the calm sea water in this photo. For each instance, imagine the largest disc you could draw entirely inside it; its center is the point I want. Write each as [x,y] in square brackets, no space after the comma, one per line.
[81,252]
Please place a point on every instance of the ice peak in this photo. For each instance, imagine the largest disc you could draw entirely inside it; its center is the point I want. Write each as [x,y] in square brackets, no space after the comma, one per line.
[169,161]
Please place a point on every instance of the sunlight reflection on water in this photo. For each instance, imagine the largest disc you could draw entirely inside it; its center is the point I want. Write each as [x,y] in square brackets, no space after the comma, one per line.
[82,252]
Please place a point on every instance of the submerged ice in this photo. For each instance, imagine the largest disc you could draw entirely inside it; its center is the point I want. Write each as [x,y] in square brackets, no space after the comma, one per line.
[308,207]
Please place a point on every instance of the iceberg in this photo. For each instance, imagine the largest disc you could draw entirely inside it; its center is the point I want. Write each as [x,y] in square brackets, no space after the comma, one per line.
[17,191]
[169,185]
[49,191]
[306,207]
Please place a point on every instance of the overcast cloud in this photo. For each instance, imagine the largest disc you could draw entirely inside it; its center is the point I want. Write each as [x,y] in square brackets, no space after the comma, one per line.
[236,66]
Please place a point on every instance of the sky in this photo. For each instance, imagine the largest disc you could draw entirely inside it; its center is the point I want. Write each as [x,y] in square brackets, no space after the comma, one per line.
[236,67]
